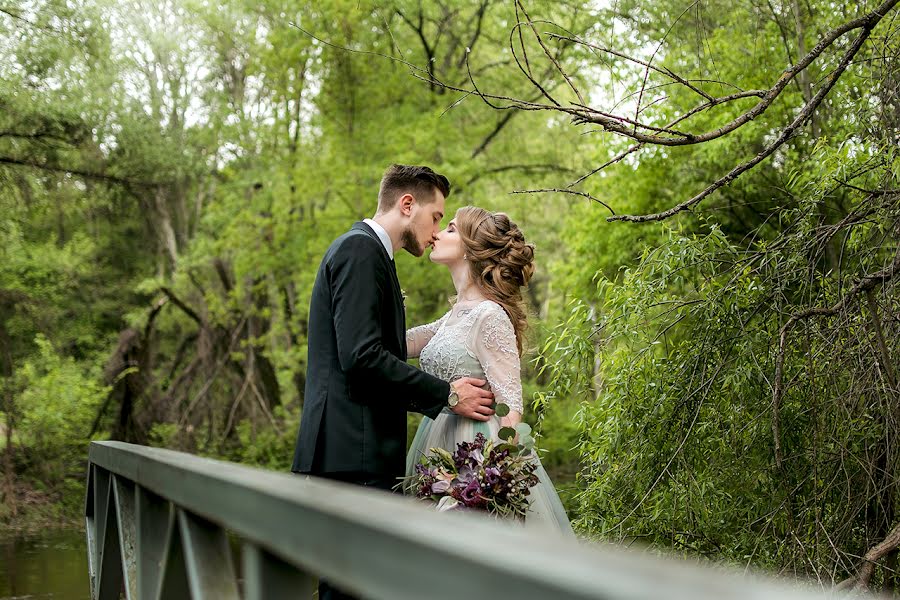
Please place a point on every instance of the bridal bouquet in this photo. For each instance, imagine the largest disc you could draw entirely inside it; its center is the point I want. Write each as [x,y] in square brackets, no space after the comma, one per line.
[479,475]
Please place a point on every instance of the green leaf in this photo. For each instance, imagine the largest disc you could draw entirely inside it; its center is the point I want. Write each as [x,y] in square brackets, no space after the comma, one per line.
[506,433]
[501,409]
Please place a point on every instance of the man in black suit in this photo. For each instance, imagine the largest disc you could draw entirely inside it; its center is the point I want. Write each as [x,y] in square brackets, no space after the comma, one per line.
[358,383]
[359,386]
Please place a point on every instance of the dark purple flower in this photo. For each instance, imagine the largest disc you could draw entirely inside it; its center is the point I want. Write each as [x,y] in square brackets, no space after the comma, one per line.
[492,475]
[467,474]
[471,494]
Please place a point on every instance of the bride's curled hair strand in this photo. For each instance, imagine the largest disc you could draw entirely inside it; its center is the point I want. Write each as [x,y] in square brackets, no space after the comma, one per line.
[500,259]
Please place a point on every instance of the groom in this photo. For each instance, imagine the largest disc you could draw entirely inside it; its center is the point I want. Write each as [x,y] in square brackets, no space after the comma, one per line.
[359,386]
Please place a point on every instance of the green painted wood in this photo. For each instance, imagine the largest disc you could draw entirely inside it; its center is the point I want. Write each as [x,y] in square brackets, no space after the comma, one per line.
[155,522]
[101,499]
[123,495]
[90,530]
[210,569]
[384,546]
[174,583]
[109,575]
[268,577]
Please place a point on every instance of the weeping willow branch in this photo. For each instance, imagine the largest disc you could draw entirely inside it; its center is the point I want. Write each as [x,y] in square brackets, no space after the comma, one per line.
[863,285]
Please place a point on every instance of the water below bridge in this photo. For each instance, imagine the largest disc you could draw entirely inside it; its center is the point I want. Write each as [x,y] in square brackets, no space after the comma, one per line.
[43,566]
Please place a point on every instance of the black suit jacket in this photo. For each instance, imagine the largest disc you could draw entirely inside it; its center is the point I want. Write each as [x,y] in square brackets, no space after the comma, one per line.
[358,384]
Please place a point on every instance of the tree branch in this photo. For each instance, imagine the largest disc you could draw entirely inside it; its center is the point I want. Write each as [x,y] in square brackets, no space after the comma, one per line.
[184,307]
[861,580]
[864,284]
[525,168]
[866,22]
[8,160]
[566,191]
[548,55]
[786,134]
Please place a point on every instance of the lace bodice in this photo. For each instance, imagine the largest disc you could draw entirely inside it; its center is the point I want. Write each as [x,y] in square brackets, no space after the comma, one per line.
[480,343]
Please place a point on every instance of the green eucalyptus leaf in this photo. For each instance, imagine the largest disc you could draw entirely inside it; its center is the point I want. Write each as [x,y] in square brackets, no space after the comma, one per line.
[507,433]
[501,409]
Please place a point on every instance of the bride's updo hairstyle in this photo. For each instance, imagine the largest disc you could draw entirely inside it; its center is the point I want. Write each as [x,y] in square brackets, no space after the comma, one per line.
[502,262]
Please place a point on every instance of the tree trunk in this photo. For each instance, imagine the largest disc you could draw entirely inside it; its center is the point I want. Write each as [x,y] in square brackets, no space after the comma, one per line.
[164,227]
[9,491]
[9,409]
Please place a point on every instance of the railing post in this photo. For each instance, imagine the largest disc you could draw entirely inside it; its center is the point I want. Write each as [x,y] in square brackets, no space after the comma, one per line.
[266,576]
[123,496]
[207,555]
[154,528]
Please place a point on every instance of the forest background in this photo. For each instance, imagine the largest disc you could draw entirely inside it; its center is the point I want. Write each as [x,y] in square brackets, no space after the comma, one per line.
[717,378]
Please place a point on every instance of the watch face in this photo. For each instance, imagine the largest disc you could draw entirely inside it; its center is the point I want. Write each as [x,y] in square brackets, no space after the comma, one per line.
[453,400]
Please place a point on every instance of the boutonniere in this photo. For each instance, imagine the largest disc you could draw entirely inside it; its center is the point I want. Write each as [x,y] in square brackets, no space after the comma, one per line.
[403,296]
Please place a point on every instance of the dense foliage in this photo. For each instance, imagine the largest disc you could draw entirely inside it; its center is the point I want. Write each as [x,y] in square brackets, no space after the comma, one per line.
[722,382]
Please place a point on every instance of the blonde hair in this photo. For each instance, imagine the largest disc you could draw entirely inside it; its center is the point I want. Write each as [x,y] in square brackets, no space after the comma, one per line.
[500,259]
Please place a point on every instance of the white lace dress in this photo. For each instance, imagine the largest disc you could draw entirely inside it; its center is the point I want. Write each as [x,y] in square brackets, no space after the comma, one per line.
[480,343]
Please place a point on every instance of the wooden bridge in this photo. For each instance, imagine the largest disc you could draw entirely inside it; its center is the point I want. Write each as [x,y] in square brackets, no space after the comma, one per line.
[161,526]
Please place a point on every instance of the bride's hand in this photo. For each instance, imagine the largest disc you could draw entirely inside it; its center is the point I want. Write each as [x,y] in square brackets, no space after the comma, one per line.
[474,402]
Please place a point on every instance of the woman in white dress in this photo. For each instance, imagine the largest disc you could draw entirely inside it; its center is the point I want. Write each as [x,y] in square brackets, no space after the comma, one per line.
[481,336]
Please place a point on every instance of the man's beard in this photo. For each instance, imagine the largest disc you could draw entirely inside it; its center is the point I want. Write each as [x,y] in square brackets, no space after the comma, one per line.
[410,243]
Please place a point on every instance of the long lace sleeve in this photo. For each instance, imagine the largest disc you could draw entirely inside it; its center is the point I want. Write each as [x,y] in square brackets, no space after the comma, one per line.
[493,342]
[418,337]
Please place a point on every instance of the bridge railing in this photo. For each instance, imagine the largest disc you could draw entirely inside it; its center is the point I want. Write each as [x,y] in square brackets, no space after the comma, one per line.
[160,525]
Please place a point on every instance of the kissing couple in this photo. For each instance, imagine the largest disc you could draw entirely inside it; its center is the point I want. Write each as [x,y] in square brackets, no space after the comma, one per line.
[359,386]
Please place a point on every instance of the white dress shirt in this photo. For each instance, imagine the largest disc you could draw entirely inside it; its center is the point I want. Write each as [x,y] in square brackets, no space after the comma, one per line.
[382,235]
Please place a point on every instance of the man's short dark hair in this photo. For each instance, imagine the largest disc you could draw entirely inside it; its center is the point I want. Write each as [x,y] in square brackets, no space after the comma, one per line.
[421,182]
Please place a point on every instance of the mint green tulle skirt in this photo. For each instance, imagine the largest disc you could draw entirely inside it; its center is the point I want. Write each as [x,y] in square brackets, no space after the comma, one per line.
[545,511]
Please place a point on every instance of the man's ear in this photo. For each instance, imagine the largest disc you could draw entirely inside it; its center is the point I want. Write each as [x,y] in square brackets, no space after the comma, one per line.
[406,203]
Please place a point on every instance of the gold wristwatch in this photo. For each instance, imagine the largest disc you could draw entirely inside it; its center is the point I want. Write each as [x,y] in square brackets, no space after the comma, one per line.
[453,398]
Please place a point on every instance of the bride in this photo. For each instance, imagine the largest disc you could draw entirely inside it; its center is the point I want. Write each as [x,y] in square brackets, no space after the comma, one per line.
[481,337]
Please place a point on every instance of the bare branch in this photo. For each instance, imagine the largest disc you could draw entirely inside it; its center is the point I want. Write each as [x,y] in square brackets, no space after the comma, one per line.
[414,68]
[866,22]
[479,21]
[419,30]
[184,307]
[785,135]
[490,137]
[527,72]
[612,161]
[525,168]
[9,160]
[865,191]
[566,191]
[637,110]
[547,53]
[861,580]
[19,17]
[665,72]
